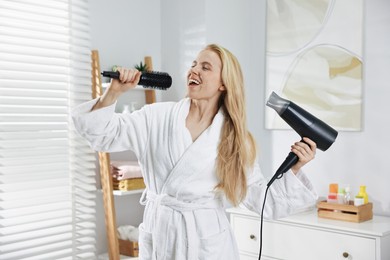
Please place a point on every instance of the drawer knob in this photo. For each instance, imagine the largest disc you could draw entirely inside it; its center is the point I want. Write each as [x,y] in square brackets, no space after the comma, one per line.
[345,255]
[252,237]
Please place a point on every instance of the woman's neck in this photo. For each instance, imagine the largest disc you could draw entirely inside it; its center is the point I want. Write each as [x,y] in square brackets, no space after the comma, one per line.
[200,117]
[202,110]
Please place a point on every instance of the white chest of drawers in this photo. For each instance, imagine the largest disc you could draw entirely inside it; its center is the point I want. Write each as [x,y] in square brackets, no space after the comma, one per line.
[306,237]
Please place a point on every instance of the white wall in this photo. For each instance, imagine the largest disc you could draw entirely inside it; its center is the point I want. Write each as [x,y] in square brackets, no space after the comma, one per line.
[125,31]
[173,31]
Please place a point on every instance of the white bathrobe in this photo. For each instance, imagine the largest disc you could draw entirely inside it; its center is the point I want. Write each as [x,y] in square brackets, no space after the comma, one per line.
[184,217]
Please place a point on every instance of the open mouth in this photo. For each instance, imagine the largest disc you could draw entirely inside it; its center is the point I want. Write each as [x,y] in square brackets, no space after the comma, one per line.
[193,82]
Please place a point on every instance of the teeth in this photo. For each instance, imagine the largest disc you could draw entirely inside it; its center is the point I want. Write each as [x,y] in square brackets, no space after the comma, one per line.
[193,81]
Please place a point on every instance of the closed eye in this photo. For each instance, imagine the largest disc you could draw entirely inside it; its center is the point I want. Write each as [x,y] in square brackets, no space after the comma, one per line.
[205,65]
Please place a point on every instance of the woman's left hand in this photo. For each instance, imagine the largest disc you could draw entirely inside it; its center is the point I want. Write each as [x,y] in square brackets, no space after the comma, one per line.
[305,151]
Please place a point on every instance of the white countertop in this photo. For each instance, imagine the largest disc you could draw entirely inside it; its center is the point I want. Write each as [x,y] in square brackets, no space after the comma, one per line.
[378,226]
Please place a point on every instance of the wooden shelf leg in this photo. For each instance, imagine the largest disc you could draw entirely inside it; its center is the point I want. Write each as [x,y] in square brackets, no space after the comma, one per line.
[109,206]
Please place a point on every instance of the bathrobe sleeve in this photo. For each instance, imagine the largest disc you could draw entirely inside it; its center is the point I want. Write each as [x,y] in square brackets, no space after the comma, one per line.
[108,131]
[288,195]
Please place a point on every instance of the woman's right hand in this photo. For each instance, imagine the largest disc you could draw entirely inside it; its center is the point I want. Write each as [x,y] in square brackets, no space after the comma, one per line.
[128,79]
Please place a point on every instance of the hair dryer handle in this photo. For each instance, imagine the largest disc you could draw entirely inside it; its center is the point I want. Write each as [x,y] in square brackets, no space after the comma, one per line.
[290,160]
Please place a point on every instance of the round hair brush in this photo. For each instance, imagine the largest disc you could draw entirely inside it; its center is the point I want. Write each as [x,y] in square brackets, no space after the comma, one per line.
[149,79]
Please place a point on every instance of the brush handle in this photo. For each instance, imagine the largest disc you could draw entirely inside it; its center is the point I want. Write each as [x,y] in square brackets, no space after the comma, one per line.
[150,79]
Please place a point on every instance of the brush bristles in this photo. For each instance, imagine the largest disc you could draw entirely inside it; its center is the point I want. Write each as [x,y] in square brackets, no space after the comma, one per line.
[154,79]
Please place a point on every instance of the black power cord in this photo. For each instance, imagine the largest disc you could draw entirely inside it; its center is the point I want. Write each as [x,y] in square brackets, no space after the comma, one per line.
[278,176]
[261,222]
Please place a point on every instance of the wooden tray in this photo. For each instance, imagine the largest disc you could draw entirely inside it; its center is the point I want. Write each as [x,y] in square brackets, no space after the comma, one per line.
[129,248]
[345,212]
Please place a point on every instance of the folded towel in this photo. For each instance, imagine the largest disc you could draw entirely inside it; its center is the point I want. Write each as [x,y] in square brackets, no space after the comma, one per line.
[131,184]
[128,184]
[128,232]
[122,170]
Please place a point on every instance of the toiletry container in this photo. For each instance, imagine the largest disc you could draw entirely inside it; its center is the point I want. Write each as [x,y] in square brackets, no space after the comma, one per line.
[333,190]
[341,196]
[363,193]
[347,195]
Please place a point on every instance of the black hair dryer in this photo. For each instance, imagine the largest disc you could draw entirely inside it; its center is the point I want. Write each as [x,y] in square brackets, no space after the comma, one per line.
[305,124]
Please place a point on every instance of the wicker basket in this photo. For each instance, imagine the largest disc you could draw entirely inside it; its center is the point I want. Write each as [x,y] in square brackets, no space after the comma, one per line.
[128,248]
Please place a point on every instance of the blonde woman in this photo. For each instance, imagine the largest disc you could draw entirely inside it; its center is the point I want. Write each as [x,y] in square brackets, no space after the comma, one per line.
[195,155]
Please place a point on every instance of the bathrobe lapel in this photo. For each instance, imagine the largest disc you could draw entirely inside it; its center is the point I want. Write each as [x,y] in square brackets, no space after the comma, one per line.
[199,155]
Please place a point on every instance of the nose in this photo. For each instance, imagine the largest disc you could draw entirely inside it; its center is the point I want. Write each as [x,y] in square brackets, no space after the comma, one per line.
[194,70]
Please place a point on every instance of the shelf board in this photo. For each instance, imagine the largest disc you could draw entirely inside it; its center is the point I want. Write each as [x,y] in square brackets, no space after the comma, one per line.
[129,192]
[125,193]
[122,257]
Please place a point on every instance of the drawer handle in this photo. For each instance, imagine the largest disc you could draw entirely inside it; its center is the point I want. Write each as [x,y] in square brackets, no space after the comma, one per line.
[345,255]
[252,237]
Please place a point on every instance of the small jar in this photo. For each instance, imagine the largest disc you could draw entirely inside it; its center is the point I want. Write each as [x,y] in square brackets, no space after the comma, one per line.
[358,201]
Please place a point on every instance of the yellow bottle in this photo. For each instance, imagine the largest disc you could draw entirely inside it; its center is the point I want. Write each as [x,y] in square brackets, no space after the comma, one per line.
[363,193]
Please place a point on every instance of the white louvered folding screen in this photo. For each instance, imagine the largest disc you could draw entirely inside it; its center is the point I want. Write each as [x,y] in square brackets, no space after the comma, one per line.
[47,176]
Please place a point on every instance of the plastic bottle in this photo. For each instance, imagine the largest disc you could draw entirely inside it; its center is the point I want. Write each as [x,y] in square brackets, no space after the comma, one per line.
[341,196]
[363,193]
[332,196]
[347,195]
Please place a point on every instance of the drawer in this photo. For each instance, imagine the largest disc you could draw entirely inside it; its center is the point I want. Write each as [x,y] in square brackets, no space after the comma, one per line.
[285,241]
[246,230]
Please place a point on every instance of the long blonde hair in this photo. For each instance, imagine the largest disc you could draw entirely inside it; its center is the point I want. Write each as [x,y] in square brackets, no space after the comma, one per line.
[237,148]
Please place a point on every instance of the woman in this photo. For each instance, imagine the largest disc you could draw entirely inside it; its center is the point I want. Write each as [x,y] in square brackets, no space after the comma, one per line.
[195,154]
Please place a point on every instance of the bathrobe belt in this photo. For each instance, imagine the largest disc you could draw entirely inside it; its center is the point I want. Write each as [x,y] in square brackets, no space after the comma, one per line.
[185,208]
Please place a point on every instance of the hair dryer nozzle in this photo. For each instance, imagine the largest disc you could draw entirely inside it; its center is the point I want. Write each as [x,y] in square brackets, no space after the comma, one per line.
[277,103]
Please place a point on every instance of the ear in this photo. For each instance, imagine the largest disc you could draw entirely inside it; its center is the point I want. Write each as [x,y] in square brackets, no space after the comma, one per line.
[222,88]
